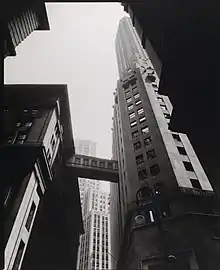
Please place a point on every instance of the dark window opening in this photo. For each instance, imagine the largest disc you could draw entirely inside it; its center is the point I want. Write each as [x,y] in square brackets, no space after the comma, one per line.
[167,116]
[182,151]
[137,146]
[155,169]
[102,164]
[18,256]
[94,163]
[150,78]
[195,183]
[134,134]
[139,159]
[176,137]
[188,166]
[151,154]
[147,141]
[30,216]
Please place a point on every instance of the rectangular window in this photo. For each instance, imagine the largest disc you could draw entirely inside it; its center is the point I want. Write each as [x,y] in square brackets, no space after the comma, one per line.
[163,107]
[145,130]
[134,134]
[155,169]
[110,165]
[154,85]
[147,141]
[130,107]
[160,99]
[195,183]
[140,111]
[86,162]
[128,100]
[138,102]
[132,115]
[133,124]
[139,159]
[176,137]
[134,89]
[136,96]
[28,124]
[167,116]
[151,154]
[94,163]
[22,137]
[77,160]
[102,164]
[182,151]
[127,94]
[18,257]
[142,119]
[137,146]
[30,216]
[188,166]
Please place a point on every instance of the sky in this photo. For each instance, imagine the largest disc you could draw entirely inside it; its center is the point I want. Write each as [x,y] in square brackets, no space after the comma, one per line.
[79,51]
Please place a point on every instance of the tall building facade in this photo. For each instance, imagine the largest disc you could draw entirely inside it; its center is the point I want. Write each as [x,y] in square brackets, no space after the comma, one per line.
[38,141]
[94,245]
[163,189]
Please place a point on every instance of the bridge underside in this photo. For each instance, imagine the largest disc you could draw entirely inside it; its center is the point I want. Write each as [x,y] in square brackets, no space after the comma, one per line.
[94,168]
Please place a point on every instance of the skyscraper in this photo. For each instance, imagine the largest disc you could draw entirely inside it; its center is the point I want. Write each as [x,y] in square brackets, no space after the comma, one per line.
[160,176]
[94,245]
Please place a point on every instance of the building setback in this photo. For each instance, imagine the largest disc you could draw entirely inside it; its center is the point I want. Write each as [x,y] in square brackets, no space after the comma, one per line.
[41,196]
[163,211]
[19,21]
[182,50]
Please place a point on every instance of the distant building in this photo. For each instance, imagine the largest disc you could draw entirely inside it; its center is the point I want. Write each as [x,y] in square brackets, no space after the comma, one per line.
[20,21]
[38,187]
[94,246]
[163,189]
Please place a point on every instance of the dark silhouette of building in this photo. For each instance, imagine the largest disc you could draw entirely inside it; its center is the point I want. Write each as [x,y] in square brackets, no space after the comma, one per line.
[19,20]
[182,41]
[43,218]
[163,211]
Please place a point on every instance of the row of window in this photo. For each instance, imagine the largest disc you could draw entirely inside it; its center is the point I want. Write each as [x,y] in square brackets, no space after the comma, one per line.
[188,166]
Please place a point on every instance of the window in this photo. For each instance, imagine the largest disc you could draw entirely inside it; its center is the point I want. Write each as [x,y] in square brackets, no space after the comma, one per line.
[18,124]
[134,134]
[110,166]
[133,124]
[94,163]
[154,85]
[142,174]
[18,256]
[132,115]
[163,107]
[136,96]
[151,154]
[195,183]
[86,162]
[145,130]
[176,137]
[102,164]
[30,216]
[128,100]
[138,102]
[127,94]
[147,141]
[77,160]
[188,166]
[139,159]
[160,99]
[137,146]
[140,111]
[22,137]
[134,89]
[150,78]
[155,169]
[182,151]
[28,124]
[130,107]
[142,119]
[167,116]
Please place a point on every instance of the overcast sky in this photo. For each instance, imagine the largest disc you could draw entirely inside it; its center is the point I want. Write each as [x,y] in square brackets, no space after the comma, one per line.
[79,51]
